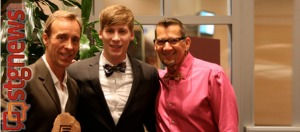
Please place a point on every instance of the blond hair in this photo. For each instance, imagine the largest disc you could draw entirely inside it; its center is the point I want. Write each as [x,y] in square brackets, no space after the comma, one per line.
[116,15]
[61,14]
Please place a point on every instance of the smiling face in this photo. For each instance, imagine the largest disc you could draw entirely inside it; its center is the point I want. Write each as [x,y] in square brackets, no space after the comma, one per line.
[116,40]
[62,44]
[171,55]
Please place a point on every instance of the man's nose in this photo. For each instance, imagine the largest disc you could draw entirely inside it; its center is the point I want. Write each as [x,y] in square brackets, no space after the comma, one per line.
[167,46]
[116,36]
[69,44]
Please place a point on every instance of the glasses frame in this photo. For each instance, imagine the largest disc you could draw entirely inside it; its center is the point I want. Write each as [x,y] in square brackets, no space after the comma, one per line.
[167,40]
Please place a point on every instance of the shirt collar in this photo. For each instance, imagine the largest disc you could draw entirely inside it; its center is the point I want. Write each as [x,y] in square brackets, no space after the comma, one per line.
[186,65]
[54,78]
[103,60]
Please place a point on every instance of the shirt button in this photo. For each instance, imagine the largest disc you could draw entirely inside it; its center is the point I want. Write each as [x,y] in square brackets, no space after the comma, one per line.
[173,122]
[171,87]
[170,104]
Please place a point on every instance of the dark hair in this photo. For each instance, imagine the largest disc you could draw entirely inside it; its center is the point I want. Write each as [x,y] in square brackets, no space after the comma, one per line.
[171,21]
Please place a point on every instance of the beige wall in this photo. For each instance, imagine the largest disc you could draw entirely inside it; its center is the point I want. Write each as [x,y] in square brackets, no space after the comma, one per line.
[273,62]
[138,7]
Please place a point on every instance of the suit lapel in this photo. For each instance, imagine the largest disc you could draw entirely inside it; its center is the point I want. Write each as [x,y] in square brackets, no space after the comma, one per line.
[45,77]
[94,76]
[71,94]
[136,80]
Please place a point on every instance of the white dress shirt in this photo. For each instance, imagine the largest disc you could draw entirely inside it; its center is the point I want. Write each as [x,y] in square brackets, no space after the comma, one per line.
[116,88]
[62,94]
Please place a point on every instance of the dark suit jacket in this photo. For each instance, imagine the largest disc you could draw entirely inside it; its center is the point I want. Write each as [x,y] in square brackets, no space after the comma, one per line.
[93,113]
[43,99]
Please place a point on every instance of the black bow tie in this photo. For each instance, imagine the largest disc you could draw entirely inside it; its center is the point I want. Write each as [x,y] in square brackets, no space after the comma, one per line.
[109,70]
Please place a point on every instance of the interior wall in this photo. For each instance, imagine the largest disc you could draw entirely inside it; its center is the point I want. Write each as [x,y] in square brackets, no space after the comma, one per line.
[186,7]
[273,62]
[138,7]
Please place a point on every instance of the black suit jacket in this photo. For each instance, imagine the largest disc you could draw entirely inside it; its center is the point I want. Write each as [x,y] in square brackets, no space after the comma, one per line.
[93,113]
[43,99]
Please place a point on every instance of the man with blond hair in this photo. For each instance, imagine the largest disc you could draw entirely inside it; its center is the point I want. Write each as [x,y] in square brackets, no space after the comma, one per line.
[117,92]
[51,91]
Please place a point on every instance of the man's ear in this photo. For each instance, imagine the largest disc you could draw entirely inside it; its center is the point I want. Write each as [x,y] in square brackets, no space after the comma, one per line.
[100,34]
[46,39]
[187,43]
[132,36]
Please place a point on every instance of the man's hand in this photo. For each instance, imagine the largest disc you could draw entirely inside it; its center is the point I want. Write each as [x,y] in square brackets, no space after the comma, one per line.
[74,61]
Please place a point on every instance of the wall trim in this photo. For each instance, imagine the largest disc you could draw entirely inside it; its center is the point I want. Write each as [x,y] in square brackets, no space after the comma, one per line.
[272,129]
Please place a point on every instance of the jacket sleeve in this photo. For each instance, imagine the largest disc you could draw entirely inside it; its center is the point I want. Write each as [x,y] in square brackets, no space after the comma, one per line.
[149,118]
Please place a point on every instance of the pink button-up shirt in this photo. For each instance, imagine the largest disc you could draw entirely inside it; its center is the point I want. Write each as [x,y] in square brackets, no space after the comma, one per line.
[203,101]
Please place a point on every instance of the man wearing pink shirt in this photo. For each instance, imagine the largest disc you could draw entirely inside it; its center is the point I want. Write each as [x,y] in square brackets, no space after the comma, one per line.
[195,95]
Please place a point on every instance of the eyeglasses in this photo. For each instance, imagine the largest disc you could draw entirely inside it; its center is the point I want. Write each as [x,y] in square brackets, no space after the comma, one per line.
[172,41]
